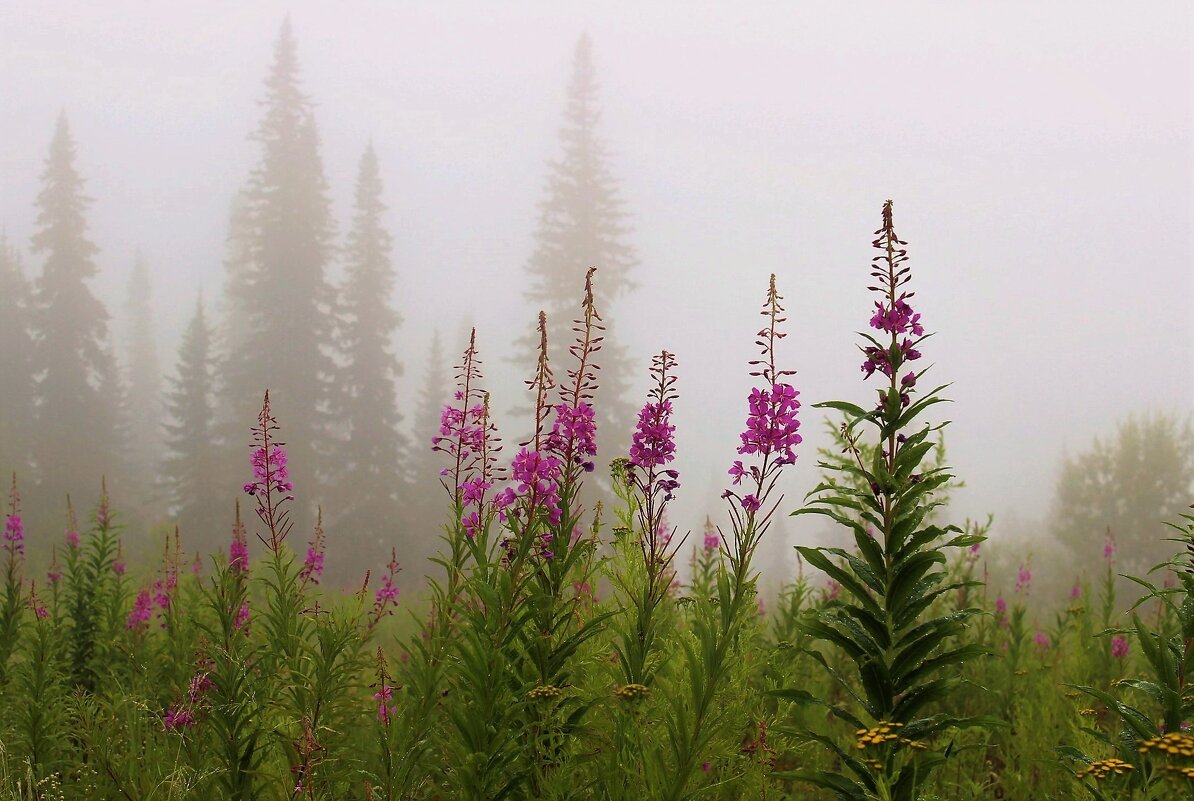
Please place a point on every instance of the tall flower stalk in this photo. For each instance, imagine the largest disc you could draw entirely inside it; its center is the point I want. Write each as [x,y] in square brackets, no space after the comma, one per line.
[900,647]
[720,625]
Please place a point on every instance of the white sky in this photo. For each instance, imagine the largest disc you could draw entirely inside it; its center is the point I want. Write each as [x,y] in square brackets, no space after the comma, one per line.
[1039,155]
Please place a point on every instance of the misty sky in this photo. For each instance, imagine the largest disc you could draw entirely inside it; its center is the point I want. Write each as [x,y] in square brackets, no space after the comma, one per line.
[1039,156]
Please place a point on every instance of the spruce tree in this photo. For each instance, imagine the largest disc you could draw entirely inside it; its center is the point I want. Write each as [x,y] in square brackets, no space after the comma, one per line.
[16,366]
[143,380]
[278,323]
[77,390]
[370,455]
[581,224]
[190,479]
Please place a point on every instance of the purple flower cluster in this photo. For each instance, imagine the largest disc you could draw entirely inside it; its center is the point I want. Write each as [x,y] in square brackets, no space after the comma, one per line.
[574,434]
[538,476]
[270,473]
[241,622]
[462,431]
[654,442]
[313,562]
[880,359]
[771,425]
[141,612]
[182,716]
[1119,647]
[385,710]
[898,319]
[387,594]
[14,535]
[1023,580]
[238,551]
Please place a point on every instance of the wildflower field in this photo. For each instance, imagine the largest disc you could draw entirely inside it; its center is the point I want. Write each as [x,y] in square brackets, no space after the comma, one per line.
[573,645]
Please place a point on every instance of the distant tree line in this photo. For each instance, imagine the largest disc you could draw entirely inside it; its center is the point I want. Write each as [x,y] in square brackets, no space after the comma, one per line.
[173,447]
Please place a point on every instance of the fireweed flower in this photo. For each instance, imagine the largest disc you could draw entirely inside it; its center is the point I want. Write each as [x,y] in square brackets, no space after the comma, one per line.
[141,612]
[241,622]
[654,441]
[1042,640]
[653,446]
[54,574]
[1119,647]
[39,609]
[383,697]
[313,561]
[386,596]
[573,436]
[1023,580]
[466,434]
[771,432]
[1109,549]
[271,484]
[14,526]
[71,535]
[469,438]
[238,549]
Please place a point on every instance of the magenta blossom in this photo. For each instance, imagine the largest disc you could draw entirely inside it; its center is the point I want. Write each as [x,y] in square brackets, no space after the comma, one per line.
[1119,647]
[574,435]
[538,478]
[238,551]
[385,710]
[241,621]
[269,474]
[1023,580]
[141,612]
[653,443]
[1042,640]
[771,425]
[14,535]
[177,718]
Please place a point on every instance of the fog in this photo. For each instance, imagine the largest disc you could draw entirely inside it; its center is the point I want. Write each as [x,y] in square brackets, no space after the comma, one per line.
[1039,157]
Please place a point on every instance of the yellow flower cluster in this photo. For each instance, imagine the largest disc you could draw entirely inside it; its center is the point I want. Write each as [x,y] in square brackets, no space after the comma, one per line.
[548,691]
[632,692]
[1105,767]
[885,732]
[1183,771]
[1175,743]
